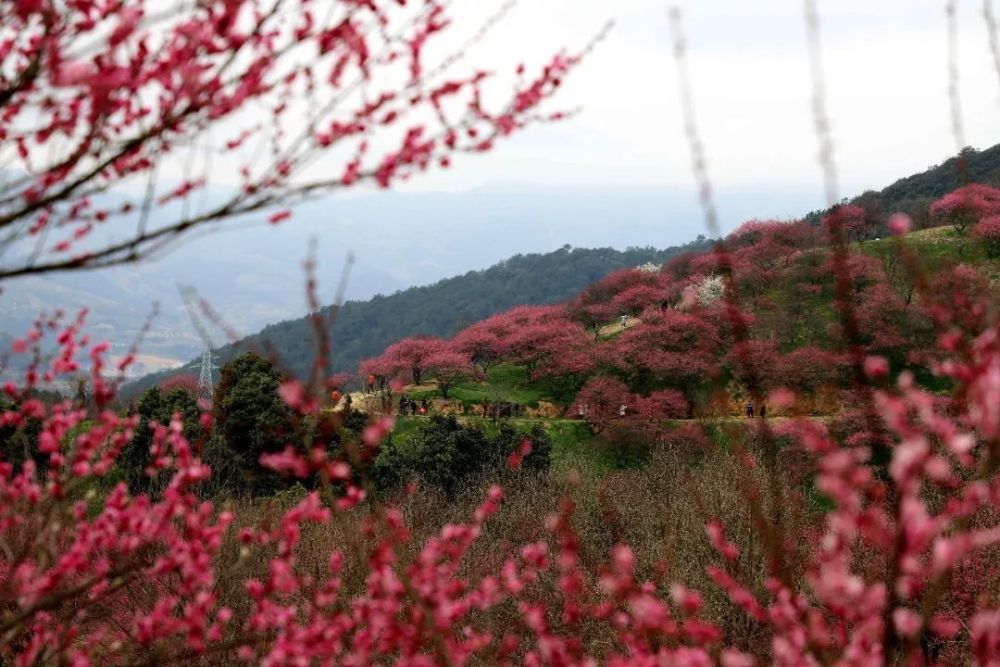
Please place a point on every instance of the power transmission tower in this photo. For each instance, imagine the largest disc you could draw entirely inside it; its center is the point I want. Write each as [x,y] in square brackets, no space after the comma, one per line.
[206,384]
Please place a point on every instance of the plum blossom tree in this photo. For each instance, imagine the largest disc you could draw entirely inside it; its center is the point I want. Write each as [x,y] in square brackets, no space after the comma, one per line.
[599,402]
[797,234]
[959,297]
[659,405]
[531,344]
[624,279]
[966,205]
[806,369]
[753,363]
[517,335]
[862,271]
[482,342]
[672,349]
[634,300]
[709,290]
[378,368]
[97,100]
[854,222]
[448,367]
[410,356]
[550,346]
[592,309]
[887,324]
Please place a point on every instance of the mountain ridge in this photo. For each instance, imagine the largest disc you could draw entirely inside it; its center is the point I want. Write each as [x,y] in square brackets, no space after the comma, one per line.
[365,328]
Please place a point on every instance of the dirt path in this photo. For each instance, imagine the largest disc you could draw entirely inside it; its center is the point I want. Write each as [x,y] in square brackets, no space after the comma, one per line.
[616,326]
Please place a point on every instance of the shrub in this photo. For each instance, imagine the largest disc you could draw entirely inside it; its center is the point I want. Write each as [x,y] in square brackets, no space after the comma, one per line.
[448,454]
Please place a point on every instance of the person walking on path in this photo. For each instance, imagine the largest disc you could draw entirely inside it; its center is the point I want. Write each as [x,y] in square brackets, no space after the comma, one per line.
[624,319]
[749,410]
[371,383]
[423,407]
[763,411]
[622,410]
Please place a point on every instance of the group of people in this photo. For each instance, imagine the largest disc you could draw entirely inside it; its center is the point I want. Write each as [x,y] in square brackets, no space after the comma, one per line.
[762,412]
[410,406]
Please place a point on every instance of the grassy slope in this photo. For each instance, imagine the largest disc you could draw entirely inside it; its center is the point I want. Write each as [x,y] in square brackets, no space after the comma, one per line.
[939,247]
[503,383]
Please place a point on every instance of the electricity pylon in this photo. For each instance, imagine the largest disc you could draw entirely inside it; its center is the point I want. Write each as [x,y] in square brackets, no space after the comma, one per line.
[206,385]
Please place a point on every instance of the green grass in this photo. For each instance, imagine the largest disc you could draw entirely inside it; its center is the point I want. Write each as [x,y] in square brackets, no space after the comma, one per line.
[938,248]
[503,383]
[406,427]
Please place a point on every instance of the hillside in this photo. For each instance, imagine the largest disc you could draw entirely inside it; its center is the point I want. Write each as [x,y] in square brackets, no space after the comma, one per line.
[681,361]
[913,194]
[365,328]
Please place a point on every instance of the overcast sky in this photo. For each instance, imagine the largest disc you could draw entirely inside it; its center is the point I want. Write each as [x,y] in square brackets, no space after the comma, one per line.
[885,63]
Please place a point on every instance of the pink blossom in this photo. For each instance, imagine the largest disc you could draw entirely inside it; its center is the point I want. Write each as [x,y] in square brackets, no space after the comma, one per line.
[900,224]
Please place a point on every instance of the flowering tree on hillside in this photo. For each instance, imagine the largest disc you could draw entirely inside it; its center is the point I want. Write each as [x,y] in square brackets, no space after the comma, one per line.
[961,297]
[967,205]
[599,402]
[806,369]
[482,342]
[625,279]
[378,369]
[709,290]
[634,300]
[753,363]
[410,356]
[795,234]
[592,309]
[551,346]
[853,220]
[448,367]
[673,349]
[887,324]
[659,405]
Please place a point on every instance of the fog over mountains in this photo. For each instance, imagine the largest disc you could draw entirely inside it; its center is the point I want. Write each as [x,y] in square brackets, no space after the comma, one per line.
[252,274]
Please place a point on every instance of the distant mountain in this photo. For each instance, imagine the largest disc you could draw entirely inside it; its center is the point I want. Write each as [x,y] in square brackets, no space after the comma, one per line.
[365,328]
